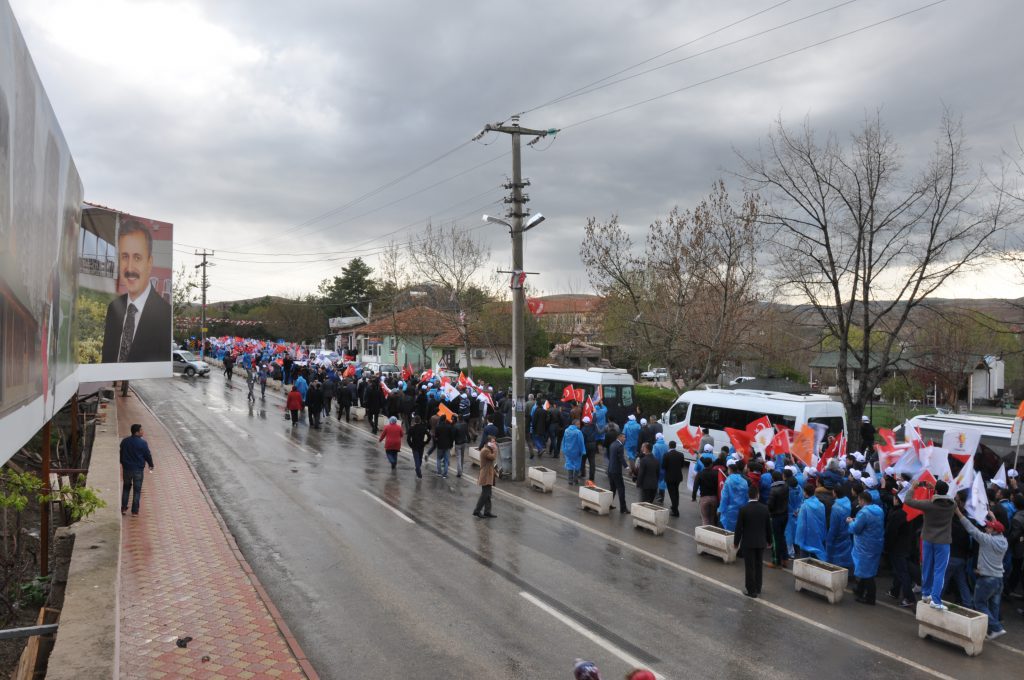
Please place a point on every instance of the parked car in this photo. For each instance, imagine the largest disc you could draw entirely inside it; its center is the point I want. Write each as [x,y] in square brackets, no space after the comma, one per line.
[656,374]
[185,362]
[742,379]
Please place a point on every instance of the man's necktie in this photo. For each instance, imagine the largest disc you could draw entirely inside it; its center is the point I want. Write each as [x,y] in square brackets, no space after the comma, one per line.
[127,333]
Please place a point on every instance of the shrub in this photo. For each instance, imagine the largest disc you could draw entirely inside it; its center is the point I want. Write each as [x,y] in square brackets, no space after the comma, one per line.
[654,400]
[501,378]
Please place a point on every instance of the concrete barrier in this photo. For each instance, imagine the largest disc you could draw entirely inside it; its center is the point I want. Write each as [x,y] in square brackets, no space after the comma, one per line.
[959,626]
[541,478]
[715,541]
[649,516]
[85,648]
[597,499]
[827,580]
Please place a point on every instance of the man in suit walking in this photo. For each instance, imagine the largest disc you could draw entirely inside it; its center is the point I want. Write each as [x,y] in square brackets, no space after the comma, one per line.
[753,534]
[672,465]
[138,323]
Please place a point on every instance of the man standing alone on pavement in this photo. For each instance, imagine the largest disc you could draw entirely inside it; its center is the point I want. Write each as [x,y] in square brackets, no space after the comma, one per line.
[672,465]
[753,534]
[616,464]
[135,457]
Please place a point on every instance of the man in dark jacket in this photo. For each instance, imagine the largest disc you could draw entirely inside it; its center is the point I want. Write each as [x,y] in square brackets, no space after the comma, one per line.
[706,484]
[135,457]
[778,510]
[898,538]
[314,404]
[647,473]
[418,438]
[672,465]
[937,534]
[346,396]
[752,536]
[330,391]
[589,460]
[373,400]
[539,428]
[616,464]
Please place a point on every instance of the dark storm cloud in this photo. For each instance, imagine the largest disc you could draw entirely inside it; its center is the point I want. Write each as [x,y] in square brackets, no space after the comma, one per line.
[304,107]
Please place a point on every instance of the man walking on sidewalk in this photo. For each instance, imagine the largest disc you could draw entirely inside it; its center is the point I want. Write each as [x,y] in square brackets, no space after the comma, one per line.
[135,457]
[753,534]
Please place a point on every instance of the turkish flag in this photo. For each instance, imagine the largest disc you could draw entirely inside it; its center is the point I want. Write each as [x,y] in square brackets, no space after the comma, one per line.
[759,425]
[922,494]
[579,394]
[349,372]
[406,371]
[384,387]
[588,409]
[462,379]
[780,442]
[836,448]
[741,440]
[569,393]
[426,375]
[689,440]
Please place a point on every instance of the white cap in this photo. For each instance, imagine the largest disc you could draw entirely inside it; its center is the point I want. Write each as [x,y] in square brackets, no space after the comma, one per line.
[769,465]
[632,417]
[865,419]
[1011,474]
[658,436]
[858,456]
[791,468]
[855,473]
[708,448]
[841,464]
[871,482]
[890,471]
[643,421]
[810,471]
[586,419]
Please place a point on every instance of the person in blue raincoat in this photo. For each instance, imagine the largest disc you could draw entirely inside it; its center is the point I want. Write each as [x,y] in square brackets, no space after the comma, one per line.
[601,421]
[632,432]
[734,496]
[796,499]
[659,450]
[573,448]
[868,531]
[839,544]
[811,534]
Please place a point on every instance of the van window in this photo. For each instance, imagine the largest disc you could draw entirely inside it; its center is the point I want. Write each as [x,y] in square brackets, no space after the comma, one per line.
[834,423]
[677,413]
[719,418]
[627,396]
[611,392]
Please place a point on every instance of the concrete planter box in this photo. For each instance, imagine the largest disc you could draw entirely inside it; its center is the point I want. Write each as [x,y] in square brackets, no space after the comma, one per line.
[959,626]
[541,478]
[715,541]
[827,580]
[649,516]
[597,499]
[473,454]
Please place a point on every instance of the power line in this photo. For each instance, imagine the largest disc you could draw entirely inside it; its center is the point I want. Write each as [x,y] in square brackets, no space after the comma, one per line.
[573,93]
[753,65]
[602,85]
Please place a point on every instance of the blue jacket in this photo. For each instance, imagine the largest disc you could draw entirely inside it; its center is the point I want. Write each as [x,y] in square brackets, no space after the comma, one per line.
[766,487]
[868,531]
[659,450]
[616,458]
[135,453]
[810,528]
[600,419]
[839,543]
[573,447]
[734,497]
[632,432]
[796,499]
[302,386]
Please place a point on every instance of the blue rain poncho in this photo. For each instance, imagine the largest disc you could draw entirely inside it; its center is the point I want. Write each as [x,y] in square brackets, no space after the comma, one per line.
[632,432]
[573,447]
[839,543]
[810,528]
[734,497]
[868,531]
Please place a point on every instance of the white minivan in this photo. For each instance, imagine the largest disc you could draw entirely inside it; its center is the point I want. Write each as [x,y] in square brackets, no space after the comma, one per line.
[717,409]
[616,384]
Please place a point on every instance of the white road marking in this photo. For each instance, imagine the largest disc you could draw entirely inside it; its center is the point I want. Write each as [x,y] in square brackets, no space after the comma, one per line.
[590,635]
[724,586]
[408,519]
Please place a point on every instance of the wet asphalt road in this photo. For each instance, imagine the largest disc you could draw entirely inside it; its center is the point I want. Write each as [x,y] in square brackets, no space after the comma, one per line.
[379,574]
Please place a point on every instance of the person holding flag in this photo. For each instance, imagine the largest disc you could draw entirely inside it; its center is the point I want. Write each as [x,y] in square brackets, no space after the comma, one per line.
[992,546]
[734,495]
[589,462]
[937,534]
[600,418]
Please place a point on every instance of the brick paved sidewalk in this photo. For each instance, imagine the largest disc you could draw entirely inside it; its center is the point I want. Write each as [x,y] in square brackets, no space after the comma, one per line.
[182,575]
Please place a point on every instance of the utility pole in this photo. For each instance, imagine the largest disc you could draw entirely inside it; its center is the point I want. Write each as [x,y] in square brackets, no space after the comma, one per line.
[203,286]
[517,213]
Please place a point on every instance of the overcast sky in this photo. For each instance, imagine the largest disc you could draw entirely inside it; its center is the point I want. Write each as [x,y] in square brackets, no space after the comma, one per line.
[242,120]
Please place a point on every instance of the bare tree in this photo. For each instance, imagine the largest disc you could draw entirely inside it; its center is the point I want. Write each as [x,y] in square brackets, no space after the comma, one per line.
[862,243]
[452,261]
[688,298]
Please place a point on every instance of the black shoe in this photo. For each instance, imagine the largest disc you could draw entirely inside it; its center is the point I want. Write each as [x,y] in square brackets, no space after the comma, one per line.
[477,515]
[750,594]
[135,514]
[625,511]
[489,515]
[674,513]
[124,510]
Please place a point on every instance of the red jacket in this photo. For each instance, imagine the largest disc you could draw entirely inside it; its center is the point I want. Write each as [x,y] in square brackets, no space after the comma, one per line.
[294,402]
[391,435]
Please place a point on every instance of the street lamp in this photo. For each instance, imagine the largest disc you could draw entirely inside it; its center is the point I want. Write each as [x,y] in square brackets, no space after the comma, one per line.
[518,339]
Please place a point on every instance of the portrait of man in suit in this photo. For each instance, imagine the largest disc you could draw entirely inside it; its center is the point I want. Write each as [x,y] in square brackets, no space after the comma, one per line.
[138,323]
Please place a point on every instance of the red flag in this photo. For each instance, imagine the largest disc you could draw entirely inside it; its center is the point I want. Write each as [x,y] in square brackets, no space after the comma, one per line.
[780,442]
[445,380]
[569,393]
[922,494]
[406,371]
[462,379]
[384,387]
[836,448]
[888,439]
[349,371]
[689,440]
[758,425]
[802,447]
[426,375]
[579,394]
[588,409]
[741,440]
[535,306]
[490,401]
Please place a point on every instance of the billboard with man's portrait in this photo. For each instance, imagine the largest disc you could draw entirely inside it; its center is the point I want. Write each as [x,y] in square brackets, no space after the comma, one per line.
[124,296]
[40,202]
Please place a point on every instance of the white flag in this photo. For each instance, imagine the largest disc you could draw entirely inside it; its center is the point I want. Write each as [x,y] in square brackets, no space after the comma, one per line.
[936,461]
[908,464]
[963,441]
[691,477]
[965,480]
[977,504]
[1000,477]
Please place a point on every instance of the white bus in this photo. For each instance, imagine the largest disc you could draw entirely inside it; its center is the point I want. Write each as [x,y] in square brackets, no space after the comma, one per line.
[547,382]
[995,431]
[717,409]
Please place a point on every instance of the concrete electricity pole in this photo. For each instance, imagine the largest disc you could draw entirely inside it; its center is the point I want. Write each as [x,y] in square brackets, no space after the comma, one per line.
[517,229]
[204,285]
